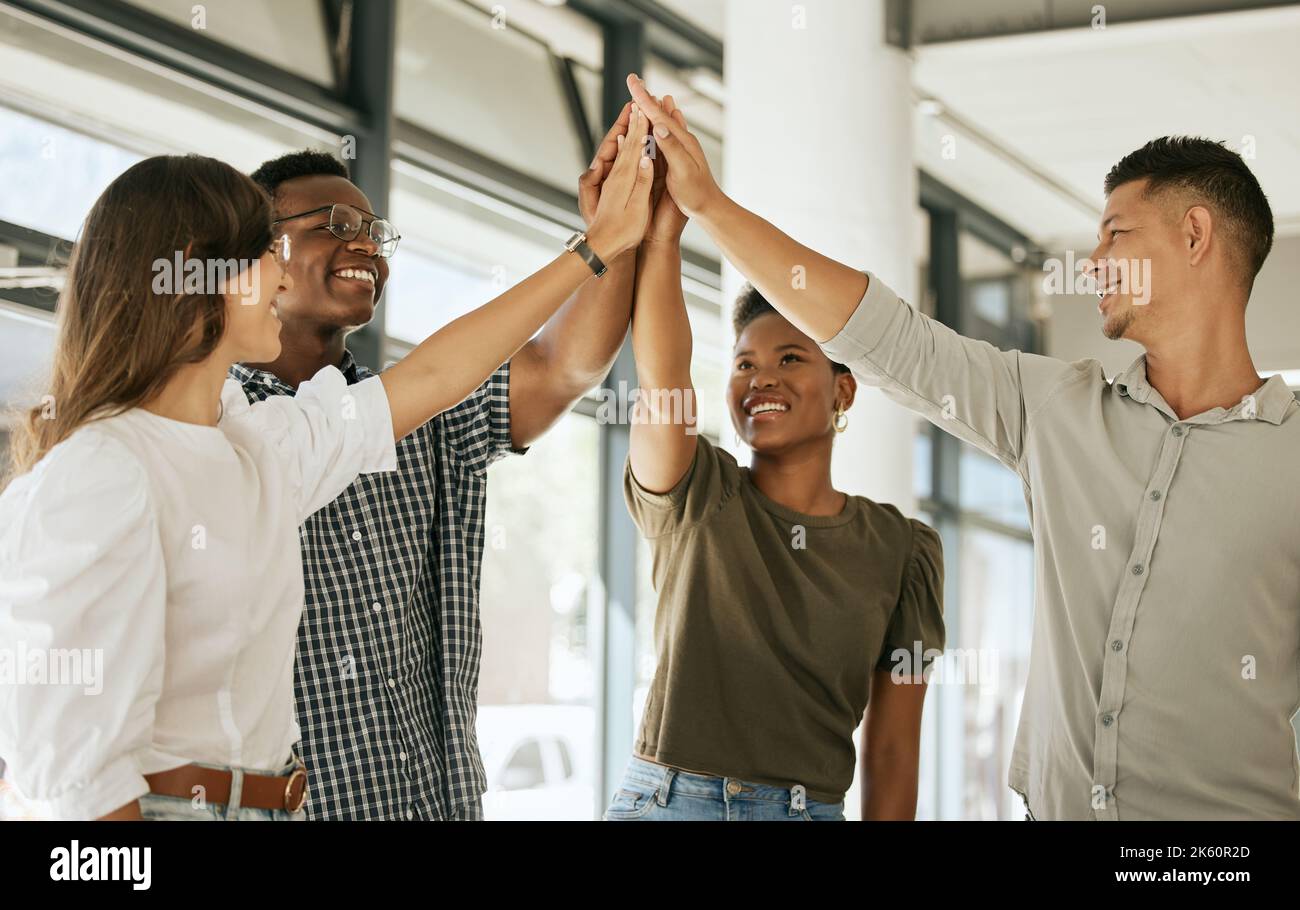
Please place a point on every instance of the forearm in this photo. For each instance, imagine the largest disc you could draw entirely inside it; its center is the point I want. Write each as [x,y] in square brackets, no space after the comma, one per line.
[455,360]
[579,344]
[816,293]
[889,786]
[127,813]
[662,433]
[661,329]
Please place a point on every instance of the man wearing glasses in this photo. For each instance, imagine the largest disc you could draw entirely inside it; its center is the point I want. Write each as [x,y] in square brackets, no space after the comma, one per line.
[386,677]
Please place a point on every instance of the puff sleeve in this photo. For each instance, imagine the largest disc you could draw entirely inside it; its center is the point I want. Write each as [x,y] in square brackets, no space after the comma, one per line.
[326,435]
[916,626]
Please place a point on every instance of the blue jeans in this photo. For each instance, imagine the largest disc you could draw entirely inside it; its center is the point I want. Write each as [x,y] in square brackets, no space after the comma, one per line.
[654,793]
[155,807]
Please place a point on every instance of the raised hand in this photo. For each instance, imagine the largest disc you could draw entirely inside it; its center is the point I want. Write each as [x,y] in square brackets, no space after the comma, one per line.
[623,207]
[689,180]
[591,180]
[667,221]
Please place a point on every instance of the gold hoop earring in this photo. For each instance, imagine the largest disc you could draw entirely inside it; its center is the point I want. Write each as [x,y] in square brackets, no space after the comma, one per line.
[841,420]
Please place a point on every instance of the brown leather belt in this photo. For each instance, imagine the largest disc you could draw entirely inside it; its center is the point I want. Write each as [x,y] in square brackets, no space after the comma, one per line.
[260,791]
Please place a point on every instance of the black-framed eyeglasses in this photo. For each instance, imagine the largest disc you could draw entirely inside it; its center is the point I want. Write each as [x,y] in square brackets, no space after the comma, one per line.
[346,222]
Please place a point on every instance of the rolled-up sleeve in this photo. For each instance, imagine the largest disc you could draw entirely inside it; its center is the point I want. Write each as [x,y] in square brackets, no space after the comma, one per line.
[328,434]
[478,429]
[964,386]
[82,617]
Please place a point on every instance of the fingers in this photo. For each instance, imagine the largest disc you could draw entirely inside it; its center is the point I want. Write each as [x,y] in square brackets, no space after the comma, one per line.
[631,147]
[675,112]
[666,129]
[683,129]
[645,175]
[608,148]
[645,101]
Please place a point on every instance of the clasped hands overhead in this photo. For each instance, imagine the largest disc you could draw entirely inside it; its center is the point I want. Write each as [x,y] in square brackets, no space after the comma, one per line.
[683,186]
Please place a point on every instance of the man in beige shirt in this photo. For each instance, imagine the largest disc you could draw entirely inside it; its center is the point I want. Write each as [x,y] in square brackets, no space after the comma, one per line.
[1165,505]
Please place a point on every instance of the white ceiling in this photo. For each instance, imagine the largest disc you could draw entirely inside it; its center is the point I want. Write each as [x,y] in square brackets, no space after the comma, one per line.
[1071,103]
[1038,119]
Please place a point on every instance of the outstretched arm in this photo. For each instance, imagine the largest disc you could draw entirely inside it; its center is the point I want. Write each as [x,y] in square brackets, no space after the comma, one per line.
[765,255]
[578,345]
[967,387]
[662,443]
[455,360]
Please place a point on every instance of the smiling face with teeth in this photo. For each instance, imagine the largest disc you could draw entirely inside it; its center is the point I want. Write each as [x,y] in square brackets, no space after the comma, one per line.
[336,282]
[783,390]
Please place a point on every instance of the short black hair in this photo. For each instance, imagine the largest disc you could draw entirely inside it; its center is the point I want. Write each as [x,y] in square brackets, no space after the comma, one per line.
[306,163]
[1217,177]
[750,304]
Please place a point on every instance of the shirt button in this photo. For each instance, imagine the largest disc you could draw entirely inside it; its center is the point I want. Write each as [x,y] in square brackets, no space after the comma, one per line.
[356,535]
[733,787]
[409,815]
[392,683]
[1117,645]
[376,607]
[402,756]
[1107,720]
[1178,429]
[1137,569]
[1155,495]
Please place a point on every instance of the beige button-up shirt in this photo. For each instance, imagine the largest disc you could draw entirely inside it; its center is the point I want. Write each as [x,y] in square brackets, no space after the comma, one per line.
[1165,665]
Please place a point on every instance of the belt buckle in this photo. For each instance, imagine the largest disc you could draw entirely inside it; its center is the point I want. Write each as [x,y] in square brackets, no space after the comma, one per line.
[299,773]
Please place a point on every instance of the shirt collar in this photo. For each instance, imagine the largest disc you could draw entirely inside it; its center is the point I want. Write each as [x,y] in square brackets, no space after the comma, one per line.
[352,371]
[1269,402]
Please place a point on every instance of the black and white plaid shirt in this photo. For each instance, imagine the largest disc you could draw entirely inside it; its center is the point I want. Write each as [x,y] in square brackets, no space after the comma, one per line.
[386,678]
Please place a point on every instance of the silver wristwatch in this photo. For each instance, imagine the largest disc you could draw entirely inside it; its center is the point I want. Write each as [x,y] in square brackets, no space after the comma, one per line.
[578,244]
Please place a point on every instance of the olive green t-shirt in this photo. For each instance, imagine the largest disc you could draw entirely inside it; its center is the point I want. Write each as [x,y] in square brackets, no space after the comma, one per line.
[770,624]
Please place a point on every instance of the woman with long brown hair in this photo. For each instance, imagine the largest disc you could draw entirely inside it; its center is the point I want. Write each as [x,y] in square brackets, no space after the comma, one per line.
[149,536]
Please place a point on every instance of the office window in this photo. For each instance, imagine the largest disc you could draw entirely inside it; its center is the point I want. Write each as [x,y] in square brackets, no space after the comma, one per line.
[458,251]
[290,34]
[52,174]
[112,98]
[977,505]
[537,683]
[452,61]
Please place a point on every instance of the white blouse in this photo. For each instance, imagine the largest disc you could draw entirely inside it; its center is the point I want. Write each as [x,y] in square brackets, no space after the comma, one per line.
[170,553]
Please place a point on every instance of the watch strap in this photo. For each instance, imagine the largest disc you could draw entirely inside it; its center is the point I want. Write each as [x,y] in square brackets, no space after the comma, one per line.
[578,244]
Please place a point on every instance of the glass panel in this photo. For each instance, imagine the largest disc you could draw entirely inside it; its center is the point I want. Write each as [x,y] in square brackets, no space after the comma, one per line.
[923,463]
[990,667]
[524,771]
[987,486]
[537,681]
[709,368]
[470,76]
[53,175]
[290,34]
[26,346]
[458,251]
[995,295]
